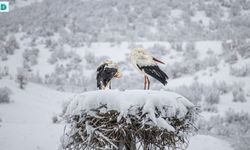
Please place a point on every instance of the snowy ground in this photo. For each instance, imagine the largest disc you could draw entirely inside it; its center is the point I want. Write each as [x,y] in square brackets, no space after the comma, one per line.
[205,142]
[27,121]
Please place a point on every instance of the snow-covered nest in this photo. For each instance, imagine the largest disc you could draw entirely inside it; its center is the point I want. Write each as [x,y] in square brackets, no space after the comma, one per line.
[130,119]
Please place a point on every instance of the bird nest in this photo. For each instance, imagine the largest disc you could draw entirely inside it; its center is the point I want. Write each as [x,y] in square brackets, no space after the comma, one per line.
[102,128]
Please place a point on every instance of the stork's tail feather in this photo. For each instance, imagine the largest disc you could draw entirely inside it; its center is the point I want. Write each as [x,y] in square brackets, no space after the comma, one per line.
[155,72]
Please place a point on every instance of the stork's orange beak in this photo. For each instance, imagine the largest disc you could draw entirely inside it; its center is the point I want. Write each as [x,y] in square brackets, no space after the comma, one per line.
[157,60]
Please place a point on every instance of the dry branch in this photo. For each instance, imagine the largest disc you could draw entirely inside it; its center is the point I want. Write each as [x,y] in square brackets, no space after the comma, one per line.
[101,128]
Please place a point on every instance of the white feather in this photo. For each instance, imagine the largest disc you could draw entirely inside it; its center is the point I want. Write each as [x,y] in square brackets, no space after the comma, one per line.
[141,58]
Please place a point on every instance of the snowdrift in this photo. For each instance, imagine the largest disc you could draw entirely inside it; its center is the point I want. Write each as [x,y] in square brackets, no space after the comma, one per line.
[130,119]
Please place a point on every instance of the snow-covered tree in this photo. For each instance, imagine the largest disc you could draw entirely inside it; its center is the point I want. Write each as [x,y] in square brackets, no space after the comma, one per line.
[11,45]
[233,126]
[211,60]
[30,56]
[3,54]
[177,46]
[5,95]
[58,54]
[231,57]
[240,69]
[212,96]
[190,51]
[36,78]
[238,93]
[235,9]
[222,87]
[22,77]
[244,49]
[193,92]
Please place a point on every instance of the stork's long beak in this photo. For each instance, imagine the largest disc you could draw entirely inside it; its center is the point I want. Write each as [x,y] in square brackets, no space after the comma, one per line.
[157,60]
[118,74]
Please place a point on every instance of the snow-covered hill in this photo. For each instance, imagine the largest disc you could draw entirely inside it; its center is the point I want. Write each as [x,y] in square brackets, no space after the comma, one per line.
[26,123]
[205,142]
[128,20]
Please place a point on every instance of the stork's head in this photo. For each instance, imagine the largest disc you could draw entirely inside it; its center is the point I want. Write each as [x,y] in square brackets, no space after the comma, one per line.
[139,50]
[108,62]
[106,71]
[111,64]
[136,53]
[141,56]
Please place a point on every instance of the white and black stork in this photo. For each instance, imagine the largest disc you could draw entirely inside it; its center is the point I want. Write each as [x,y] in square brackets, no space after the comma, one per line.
[106,71]
[147,64]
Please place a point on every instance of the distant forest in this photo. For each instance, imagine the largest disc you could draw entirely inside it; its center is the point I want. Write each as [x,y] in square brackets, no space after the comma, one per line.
[79,21]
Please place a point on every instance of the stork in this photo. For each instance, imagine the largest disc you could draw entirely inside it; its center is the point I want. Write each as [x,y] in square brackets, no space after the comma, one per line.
[106,71]
[145,63]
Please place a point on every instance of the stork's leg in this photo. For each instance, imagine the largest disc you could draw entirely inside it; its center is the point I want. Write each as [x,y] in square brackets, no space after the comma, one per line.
[148,82]
[110,85]
[145,82]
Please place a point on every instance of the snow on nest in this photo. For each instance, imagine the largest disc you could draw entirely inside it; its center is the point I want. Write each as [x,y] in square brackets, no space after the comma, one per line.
[126,102]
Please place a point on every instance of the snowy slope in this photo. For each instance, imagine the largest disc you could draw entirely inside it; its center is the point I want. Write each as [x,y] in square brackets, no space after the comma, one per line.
[204,142]
[27,121]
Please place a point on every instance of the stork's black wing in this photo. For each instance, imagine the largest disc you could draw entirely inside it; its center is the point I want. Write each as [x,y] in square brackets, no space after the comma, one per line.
[104,75]
[155,72]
